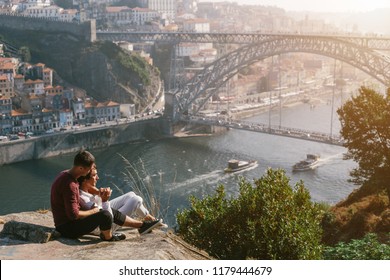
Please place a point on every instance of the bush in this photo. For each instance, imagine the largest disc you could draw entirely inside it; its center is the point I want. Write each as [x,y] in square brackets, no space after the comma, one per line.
[368,248]
[270,220]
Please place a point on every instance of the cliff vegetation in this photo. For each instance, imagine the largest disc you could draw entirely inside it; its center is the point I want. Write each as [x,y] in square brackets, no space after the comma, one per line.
[102,69]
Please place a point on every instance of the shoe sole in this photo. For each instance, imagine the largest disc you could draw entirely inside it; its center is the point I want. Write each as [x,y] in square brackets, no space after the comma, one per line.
[151,228]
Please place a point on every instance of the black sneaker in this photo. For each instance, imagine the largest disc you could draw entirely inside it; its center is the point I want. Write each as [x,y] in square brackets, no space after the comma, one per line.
[116,236]
[147,226]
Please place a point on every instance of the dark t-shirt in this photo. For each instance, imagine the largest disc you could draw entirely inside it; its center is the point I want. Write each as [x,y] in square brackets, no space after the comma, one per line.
[64,198]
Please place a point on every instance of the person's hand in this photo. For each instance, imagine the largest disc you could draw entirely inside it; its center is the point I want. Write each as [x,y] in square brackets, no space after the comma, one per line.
[105,193]
[94,210]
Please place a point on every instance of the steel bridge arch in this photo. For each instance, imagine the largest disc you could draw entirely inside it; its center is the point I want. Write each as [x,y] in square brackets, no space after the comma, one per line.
[193,95]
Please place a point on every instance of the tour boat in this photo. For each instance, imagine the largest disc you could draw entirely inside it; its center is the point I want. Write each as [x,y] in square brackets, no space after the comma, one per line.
[310,162]
[238,165]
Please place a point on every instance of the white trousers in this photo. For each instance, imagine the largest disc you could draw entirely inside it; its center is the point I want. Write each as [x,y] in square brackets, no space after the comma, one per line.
[129,204]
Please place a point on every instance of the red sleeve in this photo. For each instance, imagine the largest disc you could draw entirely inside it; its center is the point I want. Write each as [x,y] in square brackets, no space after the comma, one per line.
[71,201]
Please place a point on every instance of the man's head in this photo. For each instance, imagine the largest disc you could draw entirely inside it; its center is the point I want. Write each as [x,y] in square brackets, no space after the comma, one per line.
[83,162]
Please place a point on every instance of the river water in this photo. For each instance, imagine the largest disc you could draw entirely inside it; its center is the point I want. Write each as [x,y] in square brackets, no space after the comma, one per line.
[178,168]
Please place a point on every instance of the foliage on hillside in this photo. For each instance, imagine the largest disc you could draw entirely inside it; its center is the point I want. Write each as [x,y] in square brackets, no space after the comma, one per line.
[367,248]
[361,213]
[102,69]
[131,63]
[270,220]
[365,121]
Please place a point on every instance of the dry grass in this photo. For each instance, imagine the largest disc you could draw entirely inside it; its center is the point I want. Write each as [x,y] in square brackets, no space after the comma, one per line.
[359,215]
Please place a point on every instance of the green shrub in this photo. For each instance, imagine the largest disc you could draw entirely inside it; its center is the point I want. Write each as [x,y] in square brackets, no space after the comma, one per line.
[131,63]
[270,220]
[367,248]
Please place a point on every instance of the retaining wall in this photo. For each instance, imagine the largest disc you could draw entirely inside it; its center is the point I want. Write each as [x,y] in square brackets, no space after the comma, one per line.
[71,141]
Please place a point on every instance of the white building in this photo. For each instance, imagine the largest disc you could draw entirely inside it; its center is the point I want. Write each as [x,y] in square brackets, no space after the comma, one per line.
[36,87]
[23,5]
[78,107]
[142,15]
[69,15]
[167,8]
[52,12]
[196,25]
[119,15]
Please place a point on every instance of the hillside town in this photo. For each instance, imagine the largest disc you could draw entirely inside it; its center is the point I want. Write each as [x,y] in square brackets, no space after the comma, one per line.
[31,104]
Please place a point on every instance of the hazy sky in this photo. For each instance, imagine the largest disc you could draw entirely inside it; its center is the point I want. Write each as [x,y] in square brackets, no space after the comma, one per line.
[317,5]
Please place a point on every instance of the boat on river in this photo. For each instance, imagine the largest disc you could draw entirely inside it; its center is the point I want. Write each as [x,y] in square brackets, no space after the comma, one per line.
[235,165]
[309,163]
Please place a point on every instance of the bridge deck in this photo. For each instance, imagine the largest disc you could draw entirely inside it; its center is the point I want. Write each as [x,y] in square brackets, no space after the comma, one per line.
[264,128]
[372,42]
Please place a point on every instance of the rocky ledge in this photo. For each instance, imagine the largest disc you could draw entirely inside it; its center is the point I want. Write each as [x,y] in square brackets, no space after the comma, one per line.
[31,236]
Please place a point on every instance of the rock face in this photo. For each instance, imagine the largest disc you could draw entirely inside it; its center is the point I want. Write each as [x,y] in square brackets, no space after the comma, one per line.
[31,236]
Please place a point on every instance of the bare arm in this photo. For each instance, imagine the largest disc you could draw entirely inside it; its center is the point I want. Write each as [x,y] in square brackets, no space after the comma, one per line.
[86,213]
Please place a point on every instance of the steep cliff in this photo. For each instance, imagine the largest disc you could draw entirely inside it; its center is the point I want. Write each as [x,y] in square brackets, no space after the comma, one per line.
[102,69]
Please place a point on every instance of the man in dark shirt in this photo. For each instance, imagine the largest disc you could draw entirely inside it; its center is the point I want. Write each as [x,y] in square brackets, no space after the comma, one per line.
[69,220]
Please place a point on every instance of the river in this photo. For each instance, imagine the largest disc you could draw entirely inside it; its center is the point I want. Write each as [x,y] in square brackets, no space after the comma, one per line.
[178,168]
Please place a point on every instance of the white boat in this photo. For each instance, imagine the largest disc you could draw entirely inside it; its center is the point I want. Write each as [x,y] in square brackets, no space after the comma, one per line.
[310,162]
[238,165]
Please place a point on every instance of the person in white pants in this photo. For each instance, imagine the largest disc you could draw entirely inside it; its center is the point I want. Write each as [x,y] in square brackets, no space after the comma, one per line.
[121,208]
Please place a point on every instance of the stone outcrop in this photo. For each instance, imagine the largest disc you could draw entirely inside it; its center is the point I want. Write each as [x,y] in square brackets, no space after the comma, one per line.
[31,235]
[28,232]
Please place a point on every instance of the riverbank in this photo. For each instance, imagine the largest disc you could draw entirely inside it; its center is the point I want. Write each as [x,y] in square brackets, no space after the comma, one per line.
[71,141]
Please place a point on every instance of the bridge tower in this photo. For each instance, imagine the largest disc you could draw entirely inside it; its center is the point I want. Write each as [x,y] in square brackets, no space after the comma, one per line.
[177,73]
[177,81]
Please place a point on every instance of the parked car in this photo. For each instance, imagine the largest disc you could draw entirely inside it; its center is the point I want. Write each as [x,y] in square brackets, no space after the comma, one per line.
[14,137]
[63,129]
[49,131]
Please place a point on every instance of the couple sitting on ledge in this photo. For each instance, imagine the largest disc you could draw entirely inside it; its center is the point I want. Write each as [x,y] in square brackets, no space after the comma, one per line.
[80,208]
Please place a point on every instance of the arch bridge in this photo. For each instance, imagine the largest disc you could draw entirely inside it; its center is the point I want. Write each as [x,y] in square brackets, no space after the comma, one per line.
[370,54]
[192,96]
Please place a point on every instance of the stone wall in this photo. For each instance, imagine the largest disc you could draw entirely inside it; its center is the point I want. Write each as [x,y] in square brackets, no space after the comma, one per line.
[86,30]
[72,140]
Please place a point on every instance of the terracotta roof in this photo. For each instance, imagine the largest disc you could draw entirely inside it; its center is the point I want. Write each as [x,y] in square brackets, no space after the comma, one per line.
[3,97]
[18,112]
[33,82]
[107,104]
[33,96]
[138,9]
[7,65]
[112,104]
[116,9]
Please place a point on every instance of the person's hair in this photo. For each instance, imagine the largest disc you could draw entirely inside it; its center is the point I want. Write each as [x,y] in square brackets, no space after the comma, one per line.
[83,158]
[81,179]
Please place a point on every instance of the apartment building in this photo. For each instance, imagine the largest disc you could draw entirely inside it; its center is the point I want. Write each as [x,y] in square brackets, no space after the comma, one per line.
[167,8]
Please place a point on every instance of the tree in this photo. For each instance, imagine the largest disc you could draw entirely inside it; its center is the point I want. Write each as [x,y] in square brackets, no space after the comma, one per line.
[365,122]
[270,220]
[25,54]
